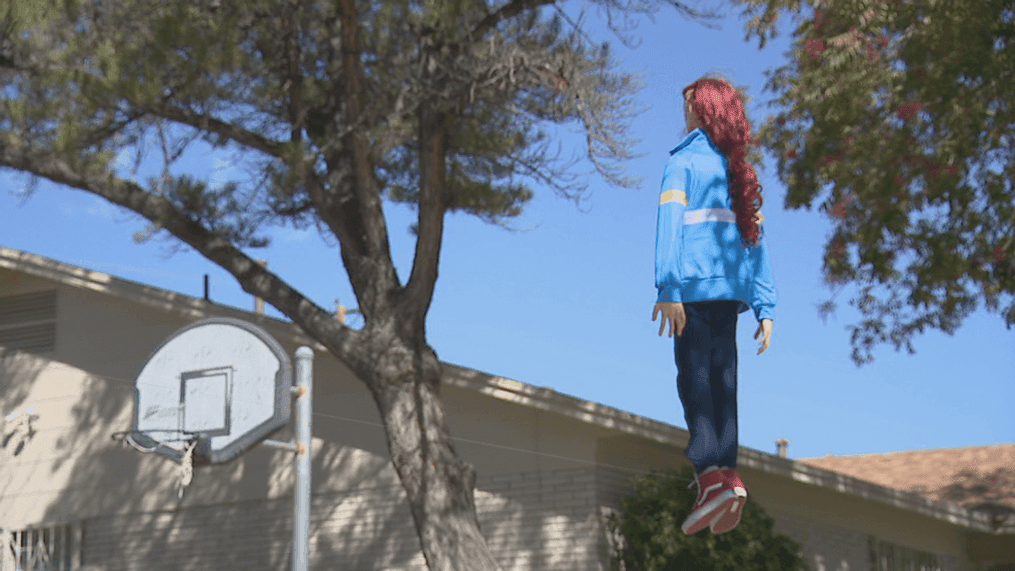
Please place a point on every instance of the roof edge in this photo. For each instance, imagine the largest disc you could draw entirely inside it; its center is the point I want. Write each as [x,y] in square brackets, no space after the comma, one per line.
[543,398]
[608,417]
[185,305]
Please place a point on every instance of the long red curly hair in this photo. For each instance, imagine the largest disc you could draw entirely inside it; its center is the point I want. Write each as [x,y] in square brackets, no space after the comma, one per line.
[721,115]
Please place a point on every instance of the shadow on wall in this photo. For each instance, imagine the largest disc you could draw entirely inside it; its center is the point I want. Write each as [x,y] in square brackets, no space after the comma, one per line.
[254,533]
[128,501]
[18,372]
[132,516]
[992,493]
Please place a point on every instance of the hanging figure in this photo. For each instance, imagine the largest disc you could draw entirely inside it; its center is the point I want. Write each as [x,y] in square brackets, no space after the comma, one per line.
[710,266]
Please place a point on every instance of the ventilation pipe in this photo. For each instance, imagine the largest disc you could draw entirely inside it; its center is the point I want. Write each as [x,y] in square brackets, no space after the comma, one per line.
[781,445]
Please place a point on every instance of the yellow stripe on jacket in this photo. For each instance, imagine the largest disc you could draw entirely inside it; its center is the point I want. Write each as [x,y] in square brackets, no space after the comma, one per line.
[673,196]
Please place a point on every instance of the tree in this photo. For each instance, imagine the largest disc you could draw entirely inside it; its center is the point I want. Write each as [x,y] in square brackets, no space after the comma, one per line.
[901,106]
[338,105]
[651,538]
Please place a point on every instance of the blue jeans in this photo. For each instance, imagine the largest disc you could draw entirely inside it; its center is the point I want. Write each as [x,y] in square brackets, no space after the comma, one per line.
[706,356]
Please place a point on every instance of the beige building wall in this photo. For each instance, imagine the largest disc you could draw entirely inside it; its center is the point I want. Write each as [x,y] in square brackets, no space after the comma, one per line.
[128,502]
[541,498]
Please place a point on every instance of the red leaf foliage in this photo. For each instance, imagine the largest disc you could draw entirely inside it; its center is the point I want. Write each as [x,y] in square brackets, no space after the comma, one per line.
[834,157]
[838,211]
[907,110]
[814,47]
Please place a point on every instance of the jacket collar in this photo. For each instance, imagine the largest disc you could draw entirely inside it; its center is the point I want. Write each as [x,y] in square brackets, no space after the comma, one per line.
[694,135]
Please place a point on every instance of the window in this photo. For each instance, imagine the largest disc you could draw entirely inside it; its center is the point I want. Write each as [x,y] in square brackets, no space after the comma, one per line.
[28,322]
[45,548]
[886,556]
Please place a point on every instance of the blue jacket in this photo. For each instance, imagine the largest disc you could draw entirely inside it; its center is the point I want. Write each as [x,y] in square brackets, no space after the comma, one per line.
[699,254]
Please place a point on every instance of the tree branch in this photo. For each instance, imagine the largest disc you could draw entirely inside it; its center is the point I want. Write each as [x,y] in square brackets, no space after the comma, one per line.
[254,279]
[513,9]
[207,123]
[365,214]
[339,212]
[432,150]
[174,113]
[293,86]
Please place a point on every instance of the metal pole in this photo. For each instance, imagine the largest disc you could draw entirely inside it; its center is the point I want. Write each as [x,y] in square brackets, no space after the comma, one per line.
[304,439]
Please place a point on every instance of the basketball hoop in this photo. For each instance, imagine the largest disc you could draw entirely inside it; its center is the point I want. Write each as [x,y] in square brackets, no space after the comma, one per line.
[195,443]
[216,388]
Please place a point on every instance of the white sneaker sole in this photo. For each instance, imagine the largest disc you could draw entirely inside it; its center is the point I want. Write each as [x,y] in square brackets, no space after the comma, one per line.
[703,516]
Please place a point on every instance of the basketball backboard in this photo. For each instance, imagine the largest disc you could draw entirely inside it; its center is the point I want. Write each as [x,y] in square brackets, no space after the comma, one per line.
[221,379]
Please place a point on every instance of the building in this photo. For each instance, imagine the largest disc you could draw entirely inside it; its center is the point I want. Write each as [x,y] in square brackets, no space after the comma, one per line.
[550,466]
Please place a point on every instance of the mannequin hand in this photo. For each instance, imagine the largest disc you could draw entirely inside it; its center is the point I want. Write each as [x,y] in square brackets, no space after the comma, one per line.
[673,312]
[764,327]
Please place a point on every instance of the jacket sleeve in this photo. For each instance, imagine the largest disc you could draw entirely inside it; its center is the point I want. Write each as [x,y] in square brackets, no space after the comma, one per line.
[763,297]
[669,230]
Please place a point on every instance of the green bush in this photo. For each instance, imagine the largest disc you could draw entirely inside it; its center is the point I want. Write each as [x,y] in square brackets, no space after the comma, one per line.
[650,521]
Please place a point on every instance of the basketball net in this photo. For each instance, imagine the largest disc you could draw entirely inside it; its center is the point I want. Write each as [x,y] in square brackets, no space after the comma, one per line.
[186,465]
[187,468]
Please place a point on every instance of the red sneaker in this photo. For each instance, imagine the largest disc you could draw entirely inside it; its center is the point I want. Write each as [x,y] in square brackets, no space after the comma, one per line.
[729,518]
[714,498]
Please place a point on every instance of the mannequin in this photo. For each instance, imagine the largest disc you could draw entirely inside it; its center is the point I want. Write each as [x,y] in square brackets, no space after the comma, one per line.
[702,257]
[689,115]
[674,312]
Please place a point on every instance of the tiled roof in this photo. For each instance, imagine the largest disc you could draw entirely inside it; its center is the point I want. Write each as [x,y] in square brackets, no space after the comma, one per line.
[968,476]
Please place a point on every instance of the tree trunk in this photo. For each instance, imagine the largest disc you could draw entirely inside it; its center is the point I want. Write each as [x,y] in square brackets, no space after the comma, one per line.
[439,485]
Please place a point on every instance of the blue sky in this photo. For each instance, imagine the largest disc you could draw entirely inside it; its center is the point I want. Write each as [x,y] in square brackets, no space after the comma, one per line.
[567,303]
